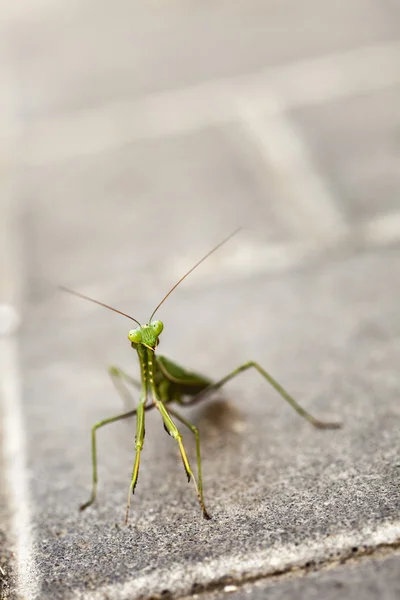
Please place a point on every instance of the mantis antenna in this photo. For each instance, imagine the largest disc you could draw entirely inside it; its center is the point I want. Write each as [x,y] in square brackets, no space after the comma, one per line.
[79,295]
[193,268]
[61,287]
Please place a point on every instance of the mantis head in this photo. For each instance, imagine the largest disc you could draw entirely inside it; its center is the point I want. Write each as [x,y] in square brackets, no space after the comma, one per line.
[146,335]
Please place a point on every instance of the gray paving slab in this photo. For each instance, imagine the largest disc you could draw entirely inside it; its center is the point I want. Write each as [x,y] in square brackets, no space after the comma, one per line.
[103,54]
[279,493]
[369,579]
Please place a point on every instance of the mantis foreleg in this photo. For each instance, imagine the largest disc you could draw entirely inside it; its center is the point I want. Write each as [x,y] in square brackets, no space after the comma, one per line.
[174,432]
[195,431]
[138,446]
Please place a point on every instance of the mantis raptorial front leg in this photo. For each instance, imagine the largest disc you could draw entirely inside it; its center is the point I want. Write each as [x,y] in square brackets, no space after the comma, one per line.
[195,431]
[174,432]
[94,452]
[138,446]
[284,394]
[120,379]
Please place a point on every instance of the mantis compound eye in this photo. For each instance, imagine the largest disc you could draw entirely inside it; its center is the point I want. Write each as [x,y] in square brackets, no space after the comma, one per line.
[135,336]
[158,326]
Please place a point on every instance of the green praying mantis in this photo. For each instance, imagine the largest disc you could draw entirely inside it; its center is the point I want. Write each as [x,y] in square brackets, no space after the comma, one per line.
[167,382]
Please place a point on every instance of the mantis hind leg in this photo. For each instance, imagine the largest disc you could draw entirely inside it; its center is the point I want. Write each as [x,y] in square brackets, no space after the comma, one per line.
[174,432]
[284,394]
[195,431]
[94,453]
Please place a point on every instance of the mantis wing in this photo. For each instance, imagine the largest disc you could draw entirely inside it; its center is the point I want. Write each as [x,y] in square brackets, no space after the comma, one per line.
[187,382]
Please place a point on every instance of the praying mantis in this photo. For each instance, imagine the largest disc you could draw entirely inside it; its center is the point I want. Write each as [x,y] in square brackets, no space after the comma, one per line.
[167,382]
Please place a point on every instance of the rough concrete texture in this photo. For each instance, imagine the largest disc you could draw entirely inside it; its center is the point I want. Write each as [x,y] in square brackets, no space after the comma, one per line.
[132,157]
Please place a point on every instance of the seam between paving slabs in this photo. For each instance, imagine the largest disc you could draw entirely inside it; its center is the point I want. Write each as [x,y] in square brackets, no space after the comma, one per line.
[307,82]
[310,208]
[264,565]
[355,556]
[21,575]
[18,528]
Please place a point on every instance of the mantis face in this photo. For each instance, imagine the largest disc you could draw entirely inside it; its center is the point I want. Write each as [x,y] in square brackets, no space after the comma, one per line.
[146,335]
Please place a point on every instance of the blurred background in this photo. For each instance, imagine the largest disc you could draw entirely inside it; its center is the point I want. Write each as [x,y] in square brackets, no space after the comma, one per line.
[143,132]
[134,137]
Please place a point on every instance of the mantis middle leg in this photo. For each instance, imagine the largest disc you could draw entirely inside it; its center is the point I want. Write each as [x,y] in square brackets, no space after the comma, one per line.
[95,427]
